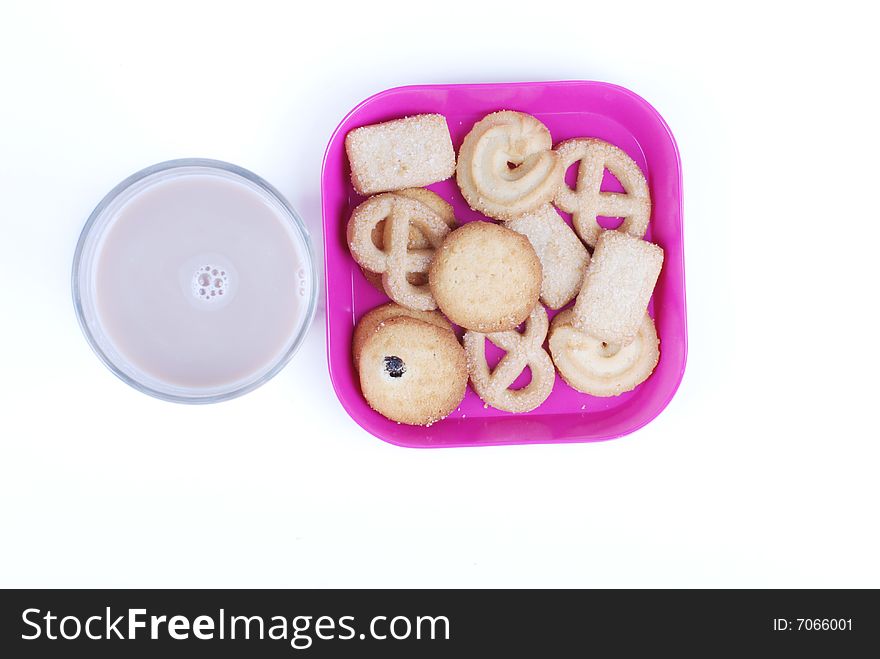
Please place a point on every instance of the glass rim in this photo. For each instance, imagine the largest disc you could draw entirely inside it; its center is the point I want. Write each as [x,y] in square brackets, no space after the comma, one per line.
[291,215]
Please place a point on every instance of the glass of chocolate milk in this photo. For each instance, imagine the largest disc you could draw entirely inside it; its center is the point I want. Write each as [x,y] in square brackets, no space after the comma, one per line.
[194,281]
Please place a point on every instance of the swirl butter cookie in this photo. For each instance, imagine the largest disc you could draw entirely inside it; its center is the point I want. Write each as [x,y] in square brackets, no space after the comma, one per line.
[485,277]
[412,372]
[371,321]
[594,367]
[506,165]
[587,201]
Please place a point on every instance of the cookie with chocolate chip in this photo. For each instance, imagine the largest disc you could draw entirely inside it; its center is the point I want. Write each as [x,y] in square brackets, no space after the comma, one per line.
[412,371]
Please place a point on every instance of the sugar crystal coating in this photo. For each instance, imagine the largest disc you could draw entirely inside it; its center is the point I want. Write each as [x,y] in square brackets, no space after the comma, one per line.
[563,257]
[403,153]
[617,287]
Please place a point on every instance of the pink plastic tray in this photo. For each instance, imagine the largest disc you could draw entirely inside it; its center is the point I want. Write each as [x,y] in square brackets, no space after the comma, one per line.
[569,109]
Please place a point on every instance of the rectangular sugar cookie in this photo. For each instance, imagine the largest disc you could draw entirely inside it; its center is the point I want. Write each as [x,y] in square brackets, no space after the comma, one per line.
[563,257]
[618,285]
[404,153]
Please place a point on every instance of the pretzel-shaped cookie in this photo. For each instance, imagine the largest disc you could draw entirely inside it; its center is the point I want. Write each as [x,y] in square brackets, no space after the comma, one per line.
[395,260]
[416,239]
[484,173]
[433,201]
[587,202]
[523,349]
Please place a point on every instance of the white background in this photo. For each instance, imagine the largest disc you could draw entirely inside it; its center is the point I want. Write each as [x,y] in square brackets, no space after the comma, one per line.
[761,472]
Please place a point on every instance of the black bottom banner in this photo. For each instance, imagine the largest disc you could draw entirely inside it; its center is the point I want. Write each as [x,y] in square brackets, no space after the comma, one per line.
[434,623]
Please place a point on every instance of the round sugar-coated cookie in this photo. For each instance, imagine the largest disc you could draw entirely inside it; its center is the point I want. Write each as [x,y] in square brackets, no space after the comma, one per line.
[485,277]
[412,372]
[371,320]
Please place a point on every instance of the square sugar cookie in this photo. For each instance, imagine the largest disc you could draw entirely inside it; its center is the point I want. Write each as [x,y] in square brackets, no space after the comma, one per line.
[403,153]
[617,287]
[563,257]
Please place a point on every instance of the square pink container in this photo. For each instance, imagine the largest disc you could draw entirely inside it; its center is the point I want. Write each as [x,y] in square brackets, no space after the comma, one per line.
[569,109]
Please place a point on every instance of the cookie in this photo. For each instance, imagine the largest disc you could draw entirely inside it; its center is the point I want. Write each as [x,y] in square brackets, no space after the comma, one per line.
[598,368]
[403,153]
[437,204]
[485,277]
[617,287]
[416,239]
[417,279]
[587,202]
[523,350]
[371,321]
[506,165]
[563,257]
[394,260]
[433,201]
[412,372]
